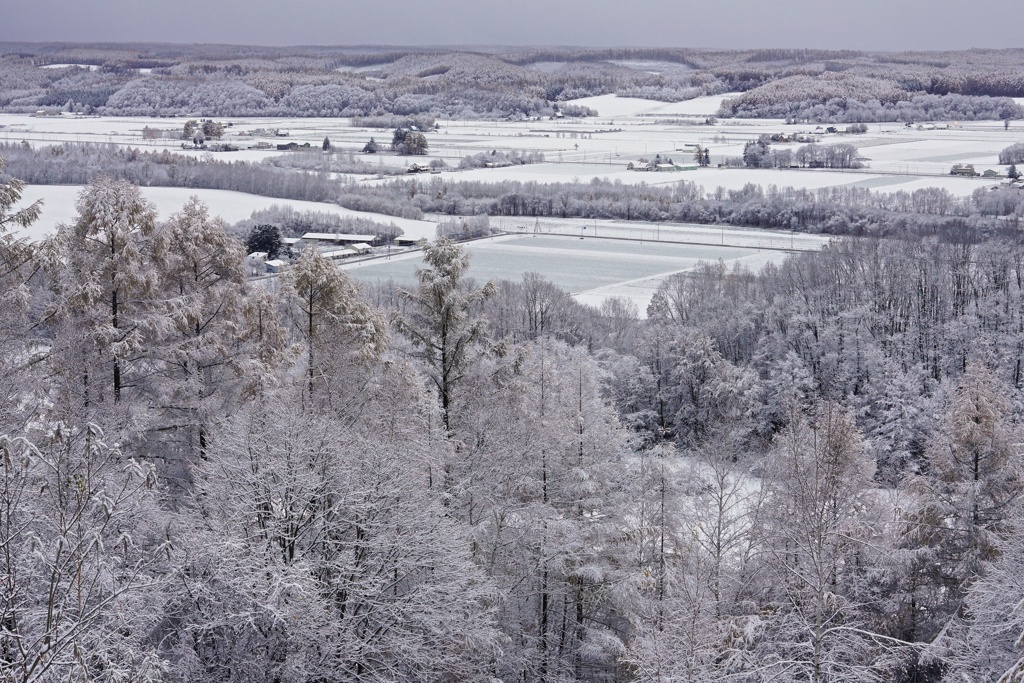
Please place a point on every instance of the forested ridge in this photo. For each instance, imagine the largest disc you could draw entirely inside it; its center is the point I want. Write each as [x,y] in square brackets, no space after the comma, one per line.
[808,473]
[221,80]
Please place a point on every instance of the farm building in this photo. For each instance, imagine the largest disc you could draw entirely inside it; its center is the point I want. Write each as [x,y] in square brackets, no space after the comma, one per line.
[346,251]
[338,254]
[675,167]
[963,170]
[327,238]
[256,263]
[276,265]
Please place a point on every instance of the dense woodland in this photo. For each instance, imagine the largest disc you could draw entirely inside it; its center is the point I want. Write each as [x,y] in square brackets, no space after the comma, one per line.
[221,80]
[842,97]
[809,473]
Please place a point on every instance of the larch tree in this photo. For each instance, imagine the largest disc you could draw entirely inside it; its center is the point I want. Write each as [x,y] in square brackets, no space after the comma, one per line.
[658,592]
[16,267]
[200,300]
[695,517]
[443,321]
[264,333]
[963,503]
[817,483]
[324,554]
[992,648]
[322,299]
[536,480]
[102,273]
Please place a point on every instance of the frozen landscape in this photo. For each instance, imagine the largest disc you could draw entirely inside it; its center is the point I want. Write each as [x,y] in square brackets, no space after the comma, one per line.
[594,269]
[500,364]
[896,158]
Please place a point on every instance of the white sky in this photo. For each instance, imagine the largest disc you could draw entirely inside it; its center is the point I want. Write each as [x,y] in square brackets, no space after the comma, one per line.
[856,24]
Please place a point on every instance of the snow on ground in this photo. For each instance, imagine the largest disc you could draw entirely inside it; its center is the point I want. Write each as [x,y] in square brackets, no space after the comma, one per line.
[641,290]
[713,177]
[59,207]
[90,67]
[591,269]
[613,106]
[955,185]
[683,233]
[898,158]
[627,130]
[575,264]
[903,150]
[726,178]
[70,126]
[653,66]
[558,173]
[737,178]
[700,106]
[254,155]
[40,131]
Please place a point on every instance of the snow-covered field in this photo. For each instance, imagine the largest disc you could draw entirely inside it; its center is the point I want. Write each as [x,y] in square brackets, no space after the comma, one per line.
[591,269]
[59,207]
[687,233]
[612,106]
[626,130]
[90,67]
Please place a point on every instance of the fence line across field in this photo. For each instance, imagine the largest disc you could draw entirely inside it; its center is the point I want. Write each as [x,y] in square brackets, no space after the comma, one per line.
[668,233]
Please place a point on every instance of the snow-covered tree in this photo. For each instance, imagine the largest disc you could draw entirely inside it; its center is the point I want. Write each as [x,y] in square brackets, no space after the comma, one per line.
[15,295]
[409,142]
[266,238]
[817,494]
[325,555]
[323,302]
[962,504]
[993,646]
[199,301]
[443,319]
[536,475]
[81,560]
[696,516]
[102,273]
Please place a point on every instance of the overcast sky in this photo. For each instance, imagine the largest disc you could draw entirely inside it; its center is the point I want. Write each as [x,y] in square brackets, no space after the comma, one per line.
[857,24]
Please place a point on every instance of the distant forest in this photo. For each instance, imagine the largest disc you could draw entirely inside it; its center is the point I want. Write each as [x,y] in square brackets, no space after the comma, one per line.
[835,211]
[162,80]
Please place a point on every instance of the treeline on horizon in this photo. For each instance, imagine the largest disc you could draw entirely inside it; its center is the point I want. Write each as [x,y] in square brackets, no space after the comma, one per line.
[257,81]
